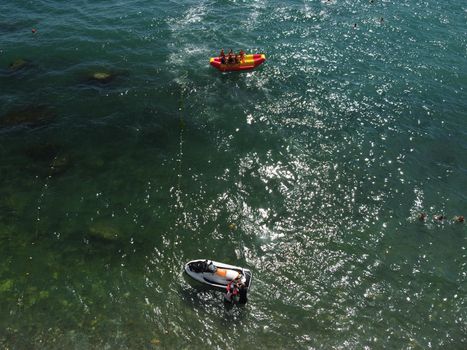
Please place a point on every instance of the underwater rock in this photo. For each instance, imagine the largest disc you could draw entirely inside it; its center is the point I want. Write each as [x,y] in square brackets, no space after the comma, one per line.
[43,153]
[155,341]
[14,202]
[32,116]
[102,77]
[60,164]
[6,231]
[103,231]
[7,216]
[34,296]
[18,64]
[6,285]
[46,160]
[56,163]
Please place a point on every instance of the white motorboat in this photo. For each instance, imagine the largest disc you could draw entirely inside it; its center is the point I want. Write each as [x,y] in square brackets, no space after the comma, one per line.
[217,274]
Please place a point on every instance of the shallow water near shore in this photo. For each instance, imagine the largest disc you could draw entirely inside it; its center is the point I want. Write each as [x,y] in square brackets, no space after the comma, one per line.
[310,170]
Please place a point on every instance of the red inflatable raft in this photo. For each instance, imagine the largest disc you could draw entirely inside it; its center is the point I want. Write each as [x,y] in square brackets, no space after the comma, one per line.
[249,62]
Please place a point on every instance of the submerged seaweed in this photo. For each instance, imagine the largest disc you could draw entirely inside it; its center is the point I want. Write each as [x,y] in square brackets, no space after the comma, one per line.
[42,152]
[31,116]
[18,64]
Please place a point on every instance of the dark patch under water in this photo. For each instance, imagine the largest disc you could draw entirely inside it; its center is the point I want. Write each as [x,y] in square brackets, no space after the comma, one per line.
[31,116]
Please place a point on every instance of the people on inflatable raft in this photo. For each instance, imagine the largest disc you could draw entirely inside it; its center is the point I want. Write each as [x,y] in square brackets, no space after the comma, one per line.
[232,58]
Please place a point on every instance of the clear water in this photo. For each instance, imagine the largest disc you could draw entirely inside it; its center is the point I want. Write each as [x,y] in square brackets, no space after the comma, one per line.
[311,171]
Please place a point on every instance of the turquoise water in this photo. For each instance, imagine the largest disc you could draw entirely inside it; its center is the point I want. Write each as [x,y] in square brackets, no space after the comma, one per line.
[311,171]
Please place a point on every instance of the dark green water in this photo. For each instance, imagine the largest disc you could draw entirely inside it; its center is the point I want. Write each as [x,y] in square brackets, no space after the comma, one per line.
[311,171]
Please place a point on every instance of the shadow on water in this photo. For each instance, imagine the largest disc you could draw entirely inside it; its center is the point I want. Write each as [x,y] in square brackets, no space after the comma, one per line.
[198,295]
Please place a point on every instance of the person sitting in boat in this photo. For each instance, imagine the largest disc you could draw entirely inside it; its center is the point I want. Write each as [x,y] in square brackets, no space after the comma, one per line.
[241,54]
[222,56]
[231,57]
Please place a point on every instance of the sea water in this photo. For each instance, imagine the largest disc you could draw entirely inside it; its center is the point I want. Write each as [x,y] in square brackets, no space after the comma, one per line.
[311,171]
